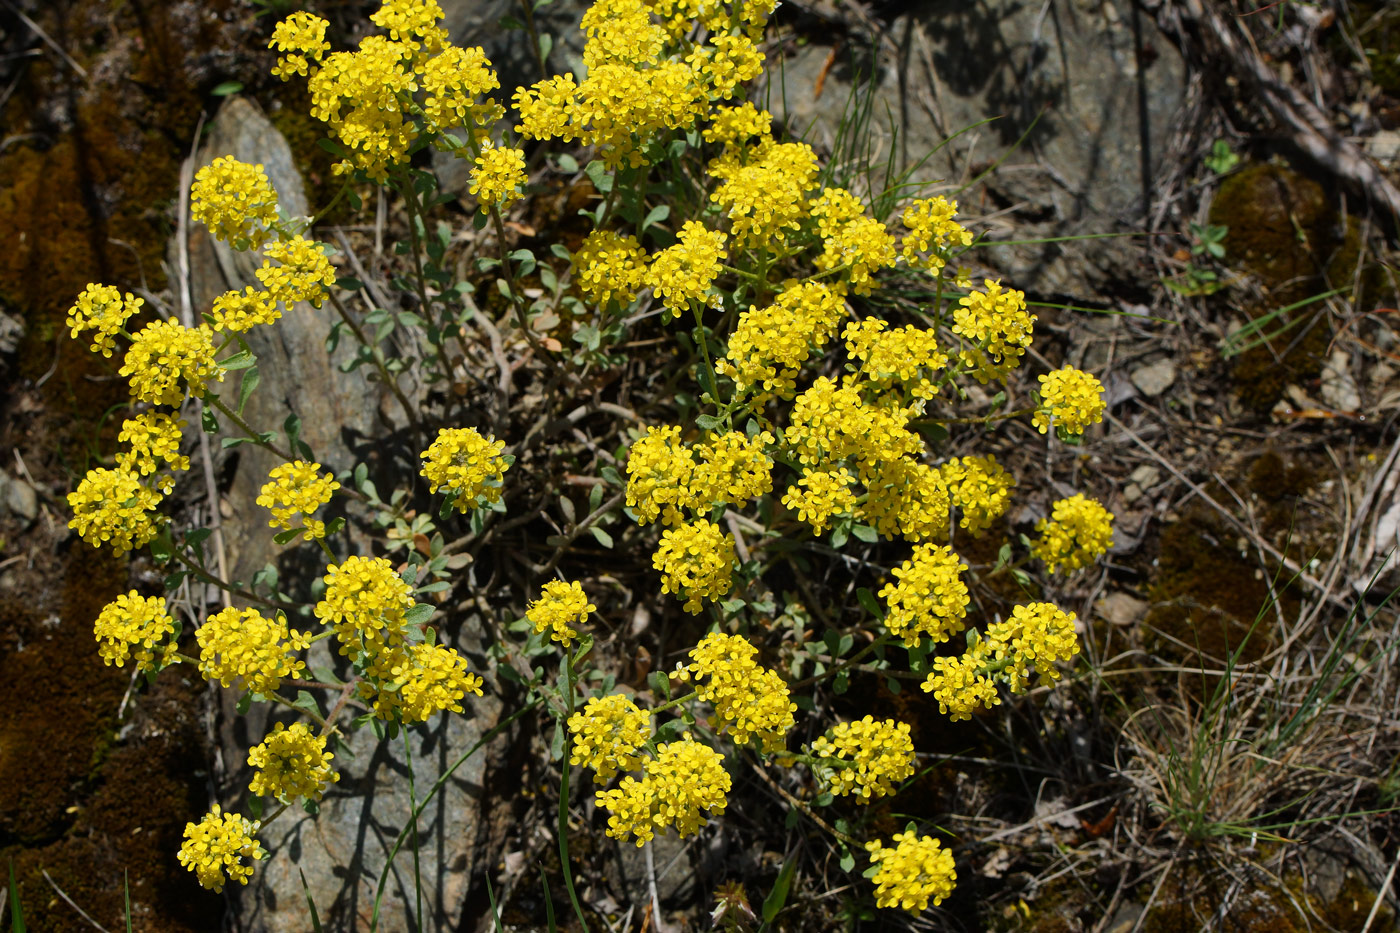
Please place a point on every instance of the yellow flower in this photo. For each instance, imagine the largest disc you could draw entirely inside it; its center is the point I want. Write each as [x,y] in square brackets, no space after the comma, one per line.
[300,35]
[163,355]
[930,597]
[765,199]
[907,356]
[858,249]
[659,473]
[361,95]
[830,423]
[297,489]
[906,498]
[727,62]
[452,81]
[499,175]
[733,469]
[103,309]
[114,507]
[132,626]
[235,201]
[609,267]
[819,495]
[416,23]
[979,488]
[365,602]
[430,678]
[996,323]
[683,273]
[1078,531]
[214,848]
[463,462]
[239,312]
[932,230]
[835,208]
[961,686]
[769,345]
[546,107]
[607,732]
[620,32]
[750,700]
[871,755]
[291,763]
[152,438]
[244,647]
[1033,639]
[560,607]
[1071,398]
[732,125]
[686,779]
[915,870]
[304,274]
[696,561]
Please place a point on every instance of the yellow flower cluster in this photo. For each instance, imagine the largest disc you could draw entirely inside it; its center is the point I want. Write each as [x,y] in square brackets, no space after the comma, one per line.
[997,324]
[214,848]
[560,607]
[1070,399]
[164,354]
[298,36]
[930,597]
[726,63]
[961,686]
[465,463]
[869,756]
[412,682]
[235,201]
[665,476]
[245,648]
[683,273]
[819,495]
[906,356]
[608,732]
[291,764]
[239,312]
[979,489]
[659,470]
[685,781]
[1078,531]
[750,700]
[737,124]
[859,248]
[696,561]
[152,439]
[732,470]
[452,83]
[831,423]
[415,23]
[133,626]
[1030,641]
[115,507]
[931,232]
[609,267]
[499,175]
[105,310]
[915,870]
[765,196]
[296,490]
[365,602]
[305,272]
[769,345]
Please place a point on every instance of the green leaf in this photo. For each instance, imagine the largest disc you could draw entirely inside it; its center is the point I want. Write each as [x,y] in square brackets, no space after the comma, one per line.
[255,807]
[225,88]
[708,422]
[865,533]
[839,534]
[602,537]
[310,904]
[870,603]
[670,730]
[598,173]
[566,163]
[776,898]
[162,548]
[660,684]
[246,387]
[610,474]
[556,745]
[312,807]
[243,704]
[419,614]
[546,45]
[240,360]
[208,421]
[126,893]
[848,861]
[656,215]
[16,910]
[283,537]
[823,799]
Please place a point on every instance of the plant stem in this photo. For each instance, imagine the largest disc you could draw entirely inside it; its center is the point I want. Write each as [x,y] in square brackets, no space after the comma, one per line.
[389,379]
[248,432]
[412,805]
[853,659]
[564,865]
[670,704]
[704,345]
[528,8]
[229,588]
[516,299]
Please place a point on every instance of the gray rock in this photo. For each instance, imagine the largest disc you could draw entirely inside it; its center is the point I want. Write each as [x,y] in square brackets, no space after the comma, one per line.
[21,499]
[342,851]
[1121,609]
[1339,389]
[1156,378]
[1146,475]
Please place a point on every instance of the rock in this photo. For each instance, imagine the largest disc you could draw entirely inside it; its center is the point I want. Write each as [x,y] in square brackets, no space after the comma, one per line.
[1146,475]
[1132,493]
[1156,378]
[342,850]
[1339,389]
[1384,146]
[1121,609]
[21,499]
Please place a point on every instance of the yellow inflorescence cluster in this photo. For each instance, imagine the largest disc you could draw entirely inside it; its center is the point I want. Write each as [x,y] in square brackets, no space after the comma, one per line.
[560,607]
[216,846]
[750,701]
[696,561]
[291,764]
[134,626]
[244,648]
[296,490]
[682,784]
[1078,531]
[608,732]
[913,871]
[470,466]
[867,757]
[930,599]
[1071,399]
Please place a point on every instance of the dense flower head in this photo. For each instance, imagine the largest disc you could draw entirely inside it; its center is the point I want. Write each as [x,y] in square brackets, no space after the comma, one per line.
[831,422]
[133,626]
[358,94]
[297,489]
[997,324]
[114,507]
[452,83]
[683,273]
[749,700]
[1032,639]
[215,847]
[104,310]
[696,561]
[906,356]
[545,108]
[152,439]
[416,23]
[291,764]
[686,781]
[915,870]
[1078,531]
[727,62]
[498,175]
[608,732]
[235,201]
[732,469]
[304,273]
[931,231]
[239,312]
[961,686]
[300,35]
[620,32]
[765,197]
[165,354]
[835,208]
[410,683]
[560,607]
[1071,399]
[930,597]
[858,248]
[244,647]
[620,107]
[819,495]
[905,498]
[365,602]
[979,489]
[873,755]
[770,344]
[609,267]
[733,125]
[464,462]
[659,472]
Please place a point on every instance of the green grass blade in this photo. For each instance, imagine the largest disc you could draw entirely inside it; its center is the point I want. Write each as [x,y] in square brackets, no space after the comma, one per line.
[16,910]
[126,893]
[311,905]
[777,898]
[548,904]
[495,913]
